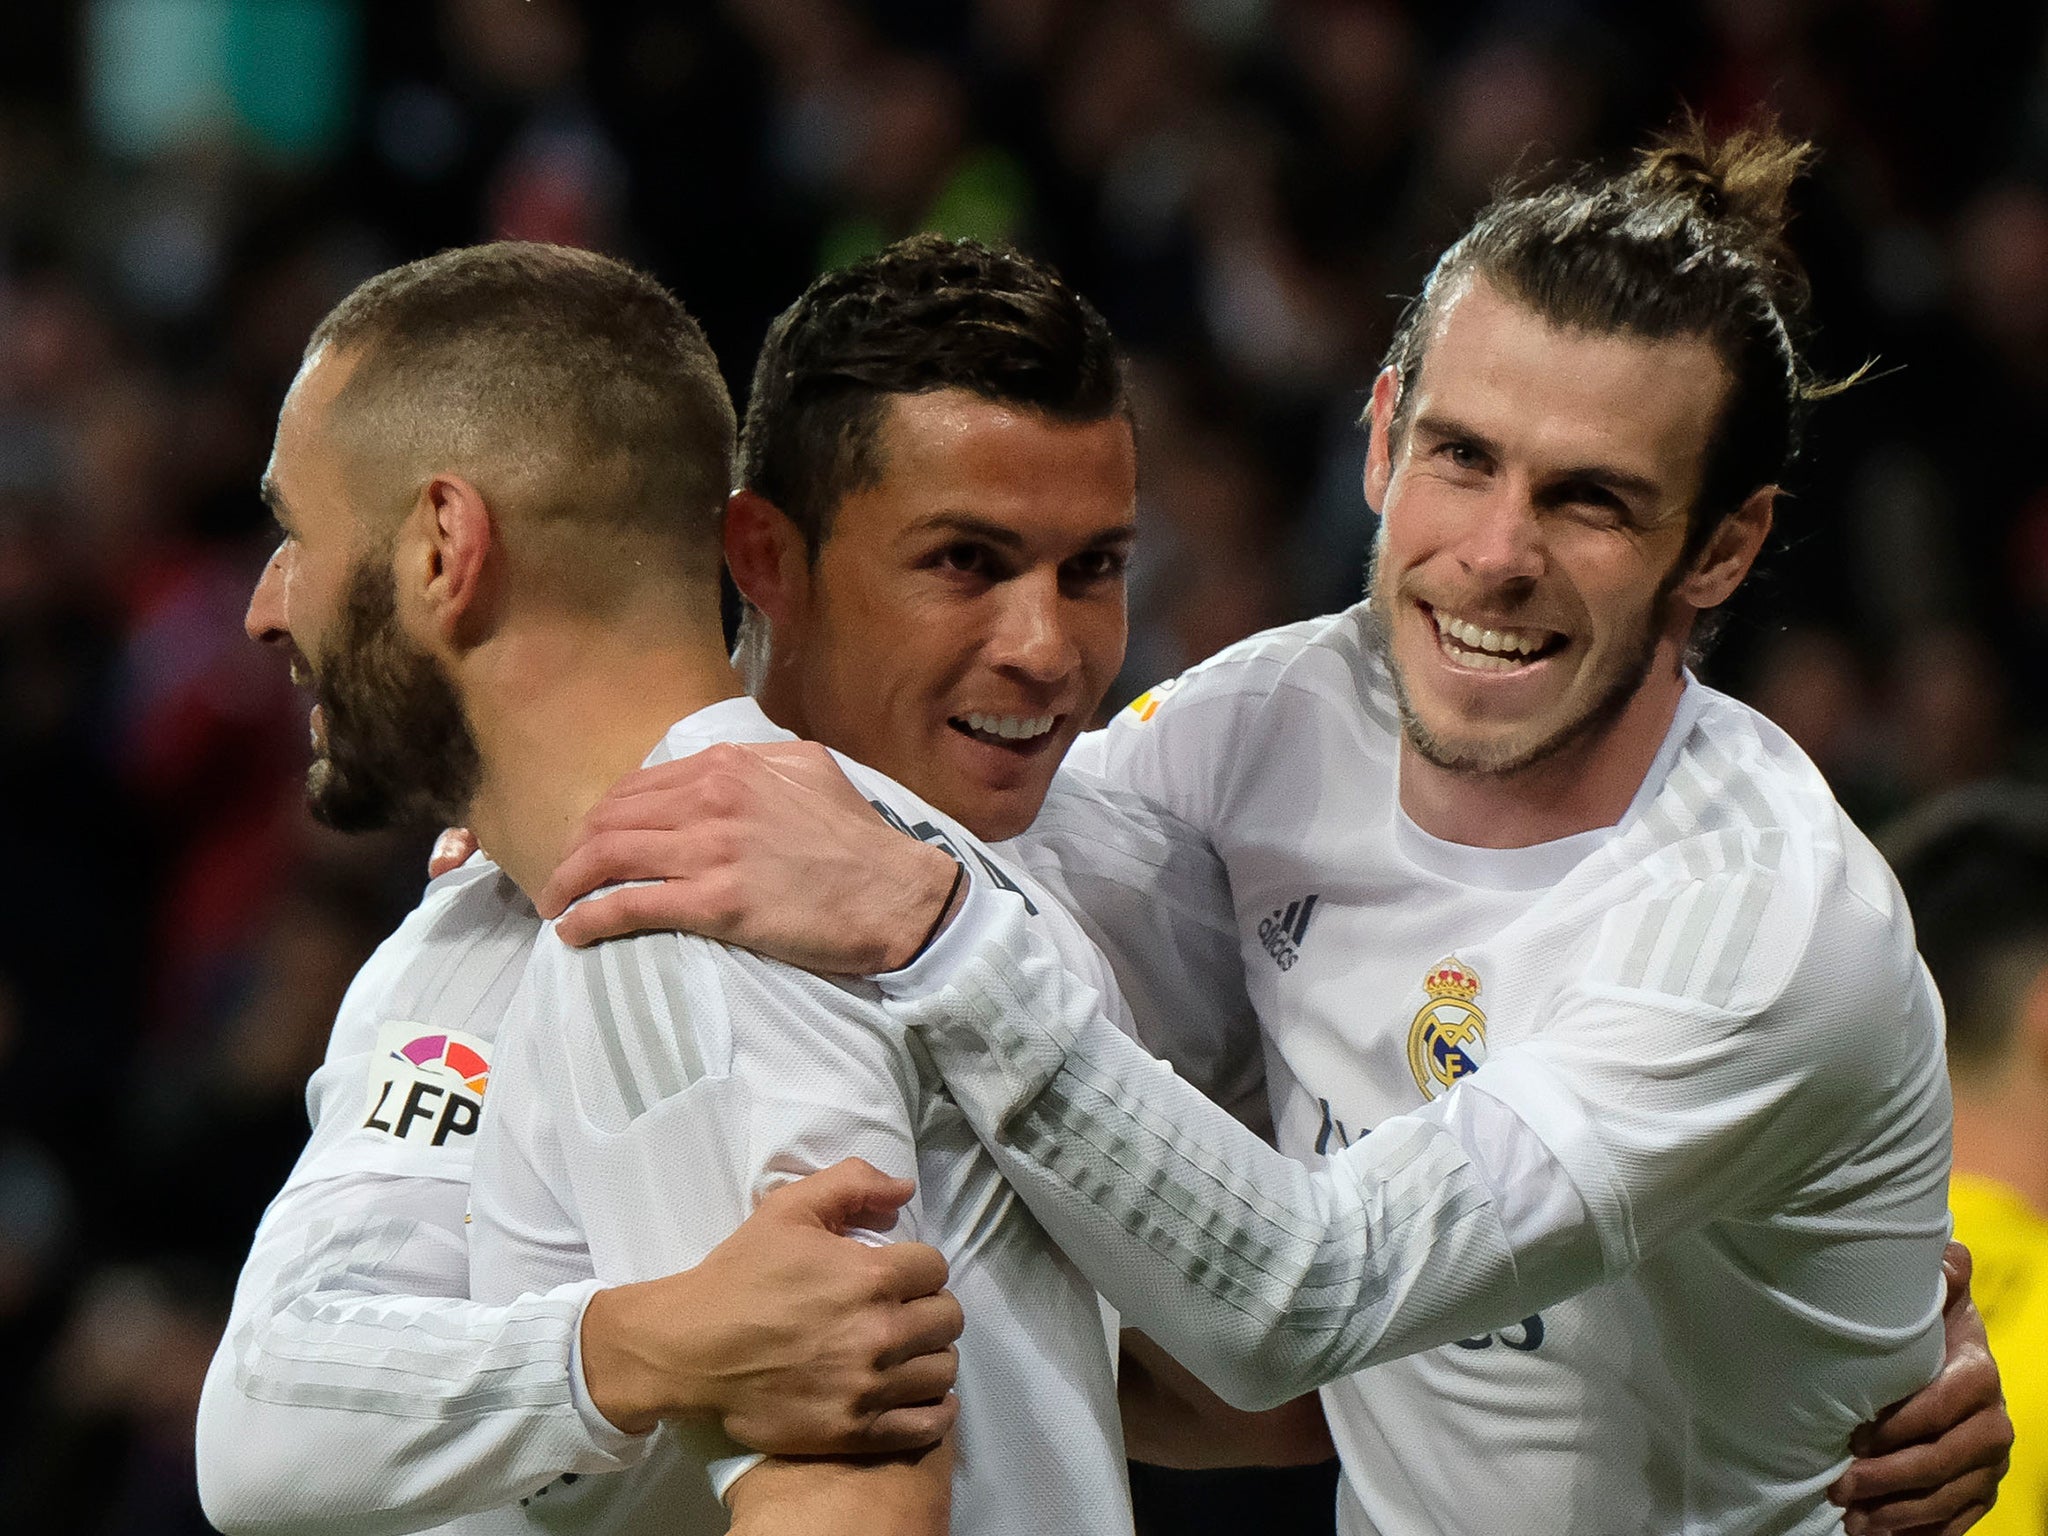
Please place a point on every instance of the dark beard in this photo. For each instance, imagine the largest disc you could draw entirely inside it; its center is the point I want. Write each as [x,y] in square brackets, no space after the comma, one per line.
[399,751]
[1605,708]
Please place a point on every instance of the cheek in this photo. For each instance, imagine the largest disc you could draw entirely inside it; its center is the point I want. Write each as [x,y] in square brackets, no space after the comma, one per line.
[1406,534]
[883,664]
[1616,591]
[306,605]
[1100,634]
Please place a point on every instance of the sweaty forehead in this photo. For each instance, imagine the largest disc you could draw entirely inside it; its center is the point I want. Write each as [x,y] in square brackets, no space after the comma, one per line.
[1498,368]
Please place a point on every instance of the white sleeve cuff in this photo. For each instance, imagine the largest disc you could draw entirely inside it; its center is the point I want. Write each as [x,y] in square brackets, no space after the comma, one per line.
[972,925]
[604,1435]
[727,1470]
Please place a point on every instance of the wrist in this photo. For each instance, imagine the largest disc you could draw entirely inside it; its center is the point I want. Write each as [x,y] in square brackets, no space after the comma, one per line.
[939,891]
[616,1376]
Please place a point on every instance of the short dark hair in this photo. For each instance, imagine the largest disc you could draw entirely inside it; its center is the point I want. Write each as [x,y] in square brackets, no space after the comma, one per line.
[1974,866]
[927,313]
[573,383]
[1689,242]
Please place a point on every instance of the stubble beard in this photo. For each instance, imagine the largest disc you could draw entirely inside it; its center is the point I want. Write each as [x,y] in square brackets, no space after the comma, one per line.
[1504,759]
[398,749]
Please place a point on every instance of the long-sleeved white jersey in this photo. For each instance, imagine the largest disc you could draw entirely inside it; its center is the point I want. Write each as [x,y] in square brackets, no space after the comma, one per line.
[1626,1154]
[357,1387]
[653,1088]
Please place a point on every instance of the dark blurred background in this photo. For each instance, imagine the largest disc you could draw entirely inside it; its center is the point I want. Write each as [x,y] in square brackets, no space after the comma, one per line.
[1245,187]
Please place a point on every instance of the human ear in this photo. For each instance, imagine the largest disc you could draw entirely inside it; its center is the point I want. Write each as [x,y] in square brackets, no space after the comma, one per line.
[444,558]
[764,550]
[1379,449]
[1730,551]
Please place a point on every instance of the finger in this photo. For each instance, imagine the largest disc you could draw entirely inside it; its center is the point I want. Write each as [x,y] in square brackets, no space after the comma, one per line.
[1966,1388]
[851,1193]
[1965,1520]
[910,1429]
[1956,1266]
[809,766]
[664,796]
[905,1271]
[927,1326]
[1927,1510]
[635,909]
[925,1379]
[668,797]
[790,756]
[1914,1469]
[612,857]
[451,851]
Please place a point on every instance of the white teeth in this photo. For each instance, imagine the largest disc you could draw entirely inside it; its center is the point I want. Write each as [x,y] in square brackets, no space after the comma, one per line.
[1009,727]
[1486,647]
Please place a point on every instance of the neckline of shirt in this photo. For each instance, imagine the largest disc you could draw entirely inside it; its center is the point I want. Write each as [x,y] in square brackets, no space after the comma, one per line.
[1541,865]
[735,719]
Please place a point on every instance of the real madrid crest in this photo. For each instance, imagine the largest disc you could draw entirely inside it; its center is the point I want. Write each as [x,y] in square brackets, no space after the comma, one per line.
[1447,1041]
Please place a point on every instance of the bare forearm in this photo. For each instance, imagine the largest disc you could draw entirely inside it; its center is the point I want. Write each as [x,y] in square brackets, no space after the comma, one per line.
[909,1495]
[1172,1420]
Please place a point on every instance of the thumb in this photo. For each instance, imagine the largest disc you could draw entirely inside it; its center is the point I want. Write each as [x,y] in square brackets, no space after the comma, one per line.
[1955,1268]
[451,851]
[851,1193]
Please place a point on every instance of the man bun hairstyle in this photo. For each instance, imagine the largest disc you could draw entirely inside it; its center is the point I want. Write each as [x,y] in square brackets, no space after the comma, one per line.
[575,390]
[1690,241]
[927,313]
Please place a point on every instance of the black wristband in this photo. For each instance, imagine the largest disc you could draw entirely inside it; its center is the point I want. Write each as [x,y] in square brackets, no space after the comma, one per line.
[959,875]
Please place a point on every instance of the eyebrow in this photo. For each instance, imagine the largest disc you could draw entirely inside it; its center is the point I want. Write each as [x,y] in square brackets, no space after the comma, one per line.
[1001,534]
[273,498]
[1622,481]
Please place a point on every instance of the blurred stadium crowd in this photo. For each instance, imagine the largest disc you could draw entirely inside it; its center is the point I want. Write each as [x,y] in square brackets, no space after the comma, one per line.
[1243,186]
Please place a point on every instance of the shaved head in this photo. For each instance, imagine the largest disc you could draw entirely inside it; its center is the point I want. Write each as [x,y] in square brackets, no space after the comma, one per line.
[573,391]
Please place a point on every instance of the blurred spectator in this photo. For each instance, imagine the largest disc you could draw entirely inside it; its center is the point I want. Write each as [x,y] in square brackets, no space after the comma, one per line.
[1950,720]
[109,1442]
[1974,865]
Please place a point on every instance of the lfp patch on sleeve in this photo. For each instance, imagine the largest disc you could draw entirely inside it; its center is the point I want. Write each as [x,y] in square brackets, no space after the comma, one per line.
[427,1085]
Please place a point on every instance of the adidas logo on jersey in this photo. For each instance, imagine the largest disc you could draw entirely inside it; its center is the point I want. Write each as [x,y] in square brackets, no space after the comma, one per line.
[1283,930]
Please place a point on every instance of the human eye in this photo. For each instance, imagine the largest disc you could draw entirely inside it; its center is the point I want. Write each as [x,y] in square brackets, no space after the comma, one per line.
[967,558]
[1593,503]
[1094,567]
[1461,456]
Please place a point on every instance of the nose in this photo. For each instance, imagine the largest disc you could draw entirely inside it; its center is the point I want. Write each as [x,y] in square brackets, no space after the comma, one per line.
[1502,542]
[266,620]
[1031,637]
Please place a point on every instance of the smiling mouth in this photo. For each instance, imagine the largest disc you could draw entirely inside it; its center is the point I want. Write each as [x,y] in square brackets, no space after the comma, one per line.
[1022,734]
[1483,649]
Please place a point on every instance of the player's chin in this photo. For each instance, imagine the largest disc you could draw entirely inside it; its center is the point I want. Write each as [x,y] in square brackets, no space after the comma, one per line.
[999,792]
[1007,812]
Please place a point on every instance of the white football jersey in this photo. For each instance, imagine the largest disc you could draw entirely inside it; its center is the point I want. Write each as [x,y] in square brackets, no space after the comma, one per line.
[1643,1132]
[654,1088]
[357,1387]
